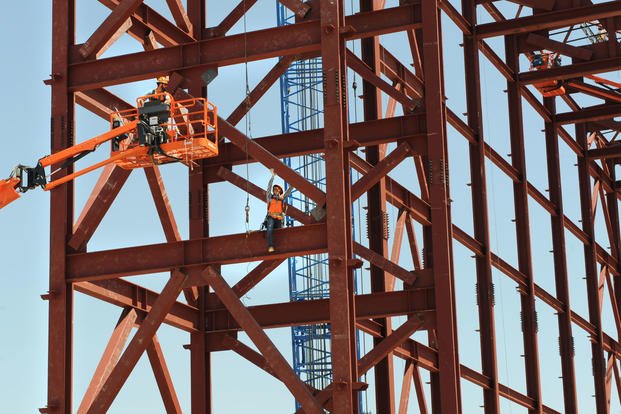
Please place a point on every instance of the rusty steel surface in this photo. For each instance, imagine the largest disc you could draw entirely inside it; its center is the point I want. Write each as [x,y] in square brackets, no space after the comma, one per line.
[427,151]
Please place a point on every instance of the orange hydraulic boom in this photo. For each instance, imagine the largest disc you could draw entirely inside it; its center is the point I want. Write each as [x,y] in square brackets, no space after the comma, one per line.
[159,130]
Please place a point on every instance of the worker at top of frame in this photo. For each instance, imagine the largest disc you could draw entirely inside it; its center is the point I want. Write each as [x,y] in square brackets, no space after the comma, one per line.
[276,209]
[161,88]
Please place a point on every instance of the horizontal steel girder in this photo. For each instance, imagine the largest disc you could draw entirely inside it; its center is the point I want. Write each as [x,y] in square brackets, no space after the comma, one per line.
[229,50]
[550,20]
[235,248]
[409,127]
[419,300]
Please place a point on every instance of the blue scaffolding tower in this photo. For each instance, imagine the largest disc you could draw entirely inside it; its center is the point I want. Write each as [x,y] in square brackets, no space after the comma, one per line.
[301,92]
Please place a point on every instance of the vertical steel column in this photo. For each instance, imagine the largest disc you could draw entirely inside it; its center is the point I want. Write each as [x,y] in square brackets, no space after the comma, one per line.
[566,340]
[485,287]
[522,229]
[592,275]
[60,333]
[200,356]
[439,242]
[376,222]
[338,219]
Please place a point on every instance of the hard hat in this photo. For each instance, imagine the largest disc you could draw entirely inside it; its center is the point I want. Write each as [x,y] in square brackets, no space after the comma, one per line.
[276,185]
[163,79]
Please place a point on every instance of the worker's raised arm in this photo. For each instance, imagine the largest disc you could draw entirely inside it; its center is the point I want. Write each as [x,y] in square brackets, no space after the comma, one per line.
[268,190]
[287,193]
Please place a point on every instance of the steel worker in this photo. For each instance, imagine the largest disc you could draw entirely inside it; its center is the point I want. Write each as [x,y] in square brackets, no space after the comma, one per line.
[276,209]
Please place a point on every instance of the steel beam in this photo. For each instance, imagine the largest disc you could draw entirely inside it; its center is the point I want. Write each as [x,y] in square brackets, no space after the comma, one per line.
[590,263]
[137,346]
[338,207]
[164,30]
[60,332]
[260,154]
[286,40]
[566,340]
[108,360]
[446,381]
[115,25]
[260,193]
[549,20]
[103,195]
[274,358]
[595,113]
[409,127]
[477,150]
[522,230]
[179,14]
[231,19]
[386,345]
[155,258]
[125,294]
[162,377]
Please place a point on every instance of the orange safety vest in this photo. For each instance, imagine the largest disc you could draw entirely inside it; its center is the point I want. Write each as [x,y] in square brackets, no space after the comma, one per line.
[275,208]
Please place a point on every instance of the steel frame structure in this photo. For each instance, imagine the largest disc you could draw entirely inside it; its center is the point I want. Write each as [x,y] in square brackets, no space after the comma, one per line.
[425,295]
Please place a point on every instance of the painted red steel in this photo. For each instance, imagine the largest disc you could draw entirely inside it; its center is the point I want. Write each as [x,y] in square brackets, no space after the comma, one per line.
[423,297]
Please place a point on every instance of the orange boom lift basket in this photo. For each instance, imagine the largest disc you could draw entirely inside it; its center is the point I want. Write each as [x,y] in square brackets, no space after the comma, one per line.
[159,130]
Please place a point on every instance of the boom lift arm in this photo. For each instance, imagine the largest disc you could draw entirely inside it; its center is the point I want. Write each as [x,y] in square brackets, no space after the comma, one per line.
[159,130]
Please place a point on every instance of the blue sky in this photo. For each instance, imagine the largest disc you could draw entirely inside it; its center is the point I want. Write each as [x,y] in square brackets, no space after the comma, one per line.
[133,221]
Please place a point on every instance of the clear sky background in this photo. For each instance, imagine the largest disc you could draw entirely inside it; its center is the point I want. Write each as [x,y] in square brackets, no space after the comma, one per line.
[132,220]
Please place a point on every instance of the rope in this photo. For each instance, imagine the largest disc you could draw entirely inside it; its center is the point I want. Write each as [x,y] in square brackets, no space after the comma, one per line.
[248,123]
[498,242]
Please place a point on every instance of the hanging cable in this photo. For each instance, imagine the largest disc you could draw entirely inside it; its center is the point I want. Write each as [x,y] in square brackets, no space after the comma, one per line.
[248,123]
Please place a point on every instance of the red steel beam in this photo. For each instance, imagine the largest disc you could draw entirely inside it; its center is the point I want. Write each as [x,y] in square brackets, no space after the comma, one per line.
[522,230]
[110,356]
[162,377]
[380,170]
[165,31]
[595,113]
[260,154]
[286,40]
[262,342]
[338,206]
[386,265]
[181,17]
[388,344]
[574,70]
[103,195]
[477,152]
[258,91]
[137,345]
[215,52]
[231,19]
[590,263]
[368,75]
[408,127]
[595,91]
[446,389]
[164,210]
[549,20]
[60,332]
[542,42]
[560,263]
[299,8]
[110,30]
[125,294]
[155,258]
[249,354]
[259,193]
[255,276]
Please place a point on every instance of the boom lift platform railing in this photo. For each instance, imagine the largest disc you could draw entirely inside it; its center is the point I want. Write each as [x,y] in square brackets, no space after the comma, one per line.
[159,130]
